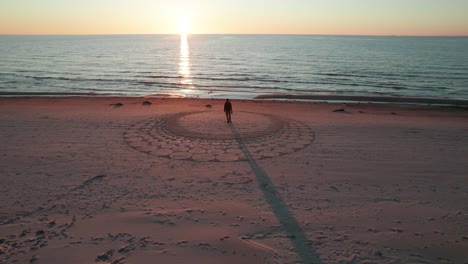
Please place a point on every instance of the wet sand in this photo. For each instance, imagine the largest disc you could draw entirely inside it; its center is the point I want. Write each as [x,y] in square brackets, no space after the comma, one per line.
[154,180]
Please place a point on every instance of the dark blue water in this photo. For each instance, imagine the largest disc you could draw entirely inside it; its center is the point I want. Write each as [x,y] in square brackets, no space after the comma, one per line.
[236,66]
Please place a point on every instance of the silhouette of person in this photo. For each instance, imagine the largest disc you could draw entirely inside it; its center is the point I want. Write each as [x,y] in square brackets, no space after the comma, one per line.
[228,110]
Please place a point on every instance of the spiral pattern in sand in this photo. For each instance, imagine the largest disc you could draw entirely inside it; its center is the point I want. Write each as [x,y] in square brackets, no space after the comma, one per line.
[205,136]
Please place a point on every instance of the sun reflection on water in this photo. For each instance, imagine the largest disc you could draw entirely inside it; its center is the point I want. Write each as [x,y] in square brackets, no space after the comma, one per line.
[184,65]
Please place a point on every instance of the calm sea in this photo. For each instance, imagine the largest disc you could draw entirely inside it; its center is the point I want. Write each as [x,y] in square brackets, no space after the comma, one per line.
[235,66]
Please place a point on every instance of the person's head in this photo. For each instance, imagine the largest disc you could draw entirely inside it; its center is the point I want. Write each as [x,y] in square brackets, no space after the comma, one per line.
[227,100]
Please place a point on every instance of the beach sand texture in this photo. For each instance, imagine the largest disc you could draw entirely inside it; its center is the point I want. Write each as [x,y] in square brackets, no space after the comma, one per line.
[152,180]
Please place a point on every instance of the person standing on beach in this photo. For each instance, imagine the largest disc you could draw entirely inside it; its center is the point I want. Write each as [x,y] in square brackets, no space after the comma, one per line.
[228,110]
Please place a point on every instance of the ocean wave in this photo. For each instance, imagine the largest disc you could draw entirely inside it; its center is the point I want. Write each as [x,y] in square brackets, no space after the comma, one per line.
[59,78]
[211,82]
[201,78]
[179,84]
[243,85]
[292,88]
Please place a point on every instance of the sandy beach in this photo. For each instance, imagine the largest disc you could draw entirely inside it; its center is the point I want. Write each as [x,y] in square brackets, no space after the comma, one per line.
[154,180]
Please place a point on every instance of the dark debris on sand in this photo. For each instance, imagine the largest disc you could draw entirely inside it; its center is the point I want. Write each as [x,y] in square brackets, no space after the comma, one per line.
[341,110]
[117,105]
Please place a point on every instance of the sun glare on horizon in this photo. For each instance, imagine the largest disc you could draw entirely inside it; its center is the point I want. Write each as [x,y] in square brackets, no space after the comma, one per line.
[183,25]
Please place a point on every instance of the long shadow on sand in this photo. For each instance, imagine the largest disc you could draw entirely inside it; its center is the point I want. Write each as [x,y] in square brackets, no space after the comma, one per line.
[298,238]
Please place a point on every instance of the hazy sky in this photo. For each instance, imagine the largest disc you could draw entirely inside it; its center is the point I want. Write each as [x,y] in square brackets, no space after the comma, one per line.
[351,17]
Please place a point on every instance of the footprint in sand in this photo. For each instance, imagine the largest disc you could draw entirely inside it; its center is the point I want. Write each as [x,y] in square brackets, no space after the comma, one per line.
[105,257]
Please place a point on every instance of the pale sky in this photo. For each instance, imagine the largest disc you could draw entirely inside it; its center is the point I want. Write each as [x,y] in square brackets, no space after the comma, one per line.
[348,17]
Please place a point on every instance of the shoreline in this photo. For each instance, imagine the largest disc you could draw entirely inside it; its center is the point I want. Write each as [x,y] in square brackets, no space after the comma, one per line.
[331,98]
[369,99]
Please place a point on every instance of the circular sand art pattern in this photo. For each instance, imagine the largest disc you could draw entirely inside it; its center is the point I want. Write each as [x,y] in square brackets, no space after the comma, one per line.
[205,136]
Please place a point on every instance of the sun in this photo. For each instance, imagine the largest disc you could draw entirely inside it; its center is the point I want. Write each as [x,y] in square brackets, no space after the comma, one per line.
[183,24]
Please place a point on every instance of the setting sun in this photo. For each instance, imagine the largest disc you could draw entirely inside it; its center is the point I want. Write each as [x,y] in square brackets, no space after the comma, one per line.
[183,25]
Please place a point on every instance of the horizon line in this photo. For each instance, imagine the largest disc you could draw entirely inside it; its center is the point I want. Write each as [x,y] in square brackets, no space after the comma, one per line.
[253,34]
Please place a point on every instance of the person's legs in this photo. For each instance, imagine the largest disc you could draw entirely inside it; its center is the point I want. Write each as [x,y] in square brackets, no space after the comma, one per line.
[229,117]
